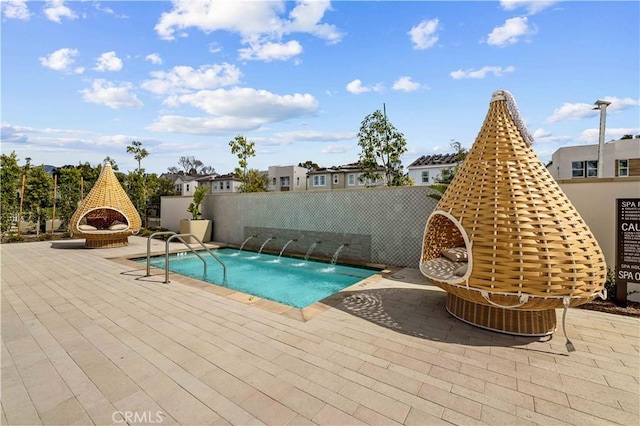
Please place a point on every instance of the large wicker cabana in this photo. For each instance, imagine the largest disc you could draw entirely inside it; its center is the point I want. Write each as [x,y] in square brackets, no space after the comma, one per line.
[106,217]
[504,241]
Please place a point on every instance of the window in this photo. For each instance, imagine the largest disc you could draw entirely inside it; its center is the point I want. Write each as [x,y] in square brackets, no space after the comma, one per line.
[623,168]
[319,180]
[577,169]
[284,181]
[187,187]
[274,182]
[336,179]
[228,185]
[373,181]
[297,181]
[351,179]
[361,179]
[580,169]
[425,176]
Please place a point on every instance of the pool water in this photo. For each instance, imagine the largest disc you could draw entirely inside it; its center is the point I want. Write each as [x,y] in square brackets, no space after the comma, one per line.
[293,282]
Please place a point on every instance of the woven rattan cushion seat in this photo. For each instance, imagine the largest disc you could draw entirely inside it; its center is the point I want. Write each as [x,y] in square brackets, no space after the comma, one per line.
[528,247]
[106,206]
[441,268]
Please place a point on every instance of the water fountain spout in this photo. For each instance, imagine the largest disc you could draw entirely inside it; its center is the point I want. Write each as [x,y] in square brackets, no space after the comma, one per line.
[306,257]
[245,241]
[285,246]
[265,243]
[334,259]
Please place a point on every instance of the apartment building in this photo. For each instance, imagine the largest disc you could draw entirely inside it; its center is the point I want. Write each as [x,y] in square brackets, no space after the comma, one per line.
[621,159]
[427,169]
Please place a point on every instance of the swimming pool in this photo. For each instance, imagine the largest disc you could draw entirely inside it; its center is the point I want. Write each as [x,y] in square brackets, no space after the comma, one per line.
[293,282]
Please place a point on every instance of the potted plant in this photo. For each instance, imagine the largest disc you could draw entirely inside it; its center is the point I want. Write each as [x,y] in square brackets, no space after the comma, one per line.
[201,228]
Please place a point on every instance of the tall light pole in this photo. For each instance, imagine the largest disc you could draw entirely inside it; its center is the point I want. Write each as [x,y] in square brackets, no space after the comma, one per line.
[602,106]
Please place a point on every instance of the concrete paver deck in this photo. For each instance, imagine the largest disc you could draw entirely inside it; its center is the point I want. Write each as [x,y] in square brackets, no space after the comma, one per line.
[86,340]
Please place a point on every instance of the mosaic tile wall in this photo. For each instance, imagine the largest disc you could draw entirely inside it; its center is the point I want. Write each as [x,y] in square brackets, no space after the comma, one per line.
[385,224]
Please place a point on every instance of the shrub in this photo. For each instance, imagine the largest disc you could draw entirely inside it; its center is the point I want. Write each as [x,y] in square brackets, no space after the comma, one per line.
[610,283]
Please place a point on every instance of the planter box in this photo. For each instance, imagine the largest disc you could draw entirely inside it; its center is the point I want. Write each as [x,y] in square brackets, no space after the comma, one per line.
[201,228]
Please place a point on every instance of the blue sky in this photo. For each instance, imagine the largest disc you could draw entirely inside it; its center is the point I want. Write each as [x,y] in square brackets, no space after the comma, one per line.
[82,80]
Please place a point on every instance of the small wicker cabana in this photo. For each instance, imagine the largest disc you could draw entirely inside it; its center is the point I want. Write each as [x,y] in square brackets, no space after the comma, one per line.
[504,241]
[106,217]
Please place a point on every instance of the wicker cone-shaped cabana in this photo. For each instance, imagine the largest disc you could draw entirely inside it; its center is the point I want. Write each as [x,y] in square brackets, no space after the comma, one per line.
[504,241]
[106,217]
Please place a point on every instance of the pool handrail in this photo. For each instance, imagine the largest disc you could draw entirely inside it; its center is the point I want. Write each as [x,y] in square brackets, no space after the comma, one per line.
[149,248]
[180,237]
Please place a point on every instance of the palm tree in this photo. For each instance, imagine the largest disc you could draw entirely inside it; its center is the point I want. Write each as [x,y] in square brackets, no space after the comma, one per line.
[138,152]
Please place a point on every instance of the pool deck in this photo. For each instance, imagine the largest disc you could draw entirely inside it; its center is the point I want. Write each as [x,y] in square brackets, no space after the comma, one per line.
[90,340]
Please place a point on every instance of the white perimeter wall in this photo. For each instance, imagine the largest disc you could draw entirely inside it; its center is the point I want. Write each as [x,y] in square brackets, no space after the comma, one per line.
[595,200]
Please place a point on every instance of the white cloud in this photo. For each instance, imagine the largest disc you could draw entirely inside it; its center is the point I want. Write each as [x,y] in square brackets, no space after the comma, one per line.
[593,135]
[108,61]
[511,32]
[61,60]
[271,51]
[15,9]
[580,110]
[405,84]
[248,103]
[49,138]
[424,35]
[260,26]
[570,111]
[233,110]
[215,47]
[56,9]
[482,72]
[108,10]
[114,96]
[154,58]
[306,17]
[314,136]
[202,125]
[181,79]
[618,104]
[334,149]
[357,88]
[541,136]
[532,6]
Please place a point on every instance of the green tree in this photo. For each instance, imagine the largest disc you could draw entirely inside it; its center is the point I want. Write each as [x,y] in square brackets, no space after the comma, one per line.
[447,175]
[382,143]
[10,174]
[198,196]
[138,152]
[68,193]
[309,165]
[135,189]
[256,182]
[38,195]
[159,187]
[191,167]
[244,150]
[89,176]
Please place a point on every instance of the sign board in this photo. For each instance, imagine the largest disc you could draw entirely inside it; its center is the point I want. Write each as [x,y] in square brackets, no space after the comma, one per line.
[627,246]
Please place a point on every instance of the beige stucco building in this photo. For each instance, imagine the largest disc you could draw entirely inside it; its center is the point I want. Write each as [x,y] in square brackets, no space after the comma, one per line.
[621,159]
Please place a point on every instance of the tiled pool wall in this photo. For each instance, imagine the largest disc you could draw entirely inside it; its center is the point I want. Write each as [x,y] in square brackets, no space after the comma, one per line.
[357,246]
[381,225]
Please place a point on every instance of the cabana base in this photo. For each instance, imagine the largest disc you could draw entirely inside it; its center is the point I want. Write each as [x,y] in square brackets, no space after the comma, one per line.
[111,242]
[510,321]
